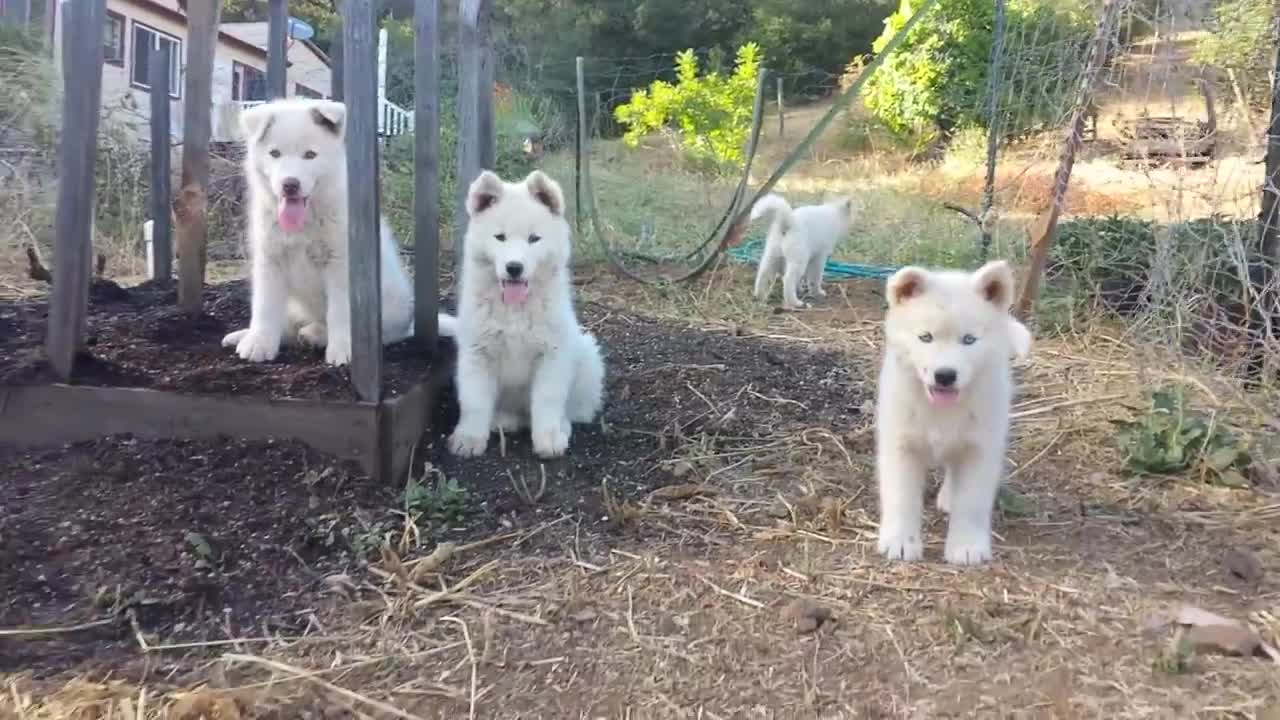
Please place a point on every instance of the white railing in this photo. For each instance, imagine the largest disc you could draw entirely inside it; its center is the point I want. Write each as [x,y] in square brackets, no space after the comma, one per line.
[393,120]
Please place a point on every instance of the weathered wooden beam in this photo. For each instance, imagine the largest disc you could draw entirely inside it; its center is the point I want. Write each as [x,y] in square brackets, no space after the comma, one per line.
[277,46]
[426,174]
[359,35]
[161,180]
[73,227]
[192,201]
[471,24]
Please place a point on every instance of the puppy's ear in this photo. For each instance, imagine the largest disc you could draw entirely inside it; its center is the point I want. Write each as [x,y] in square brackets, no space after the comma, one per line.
[1020,338]
[485,191]
[256,122]
[546,191]
[905,284]
[994,282]
[331,116]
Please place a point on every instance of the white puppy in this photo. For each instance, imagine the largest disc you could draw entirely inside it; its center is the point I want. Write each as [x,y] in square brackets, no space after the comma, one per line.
[296,170]
[944,397]
[798,244]
[523,360]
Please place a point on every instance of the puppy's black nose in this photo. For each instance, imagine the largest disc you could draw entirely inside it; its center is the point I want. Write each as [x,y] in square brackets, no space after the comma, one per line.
[515,270]
[291,186]
[945,377]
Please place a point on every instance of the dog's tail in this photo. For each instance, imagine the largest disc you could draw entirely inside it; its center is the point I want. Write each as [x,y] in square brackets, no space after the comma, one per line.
[446,326]
[776,205]
[1021,337]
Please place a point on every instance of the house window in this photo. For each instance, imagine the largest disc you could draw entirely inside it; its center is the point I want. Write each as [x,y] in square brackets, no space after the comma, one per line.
[113,39]
[248,83]
[306,92]
[146,42]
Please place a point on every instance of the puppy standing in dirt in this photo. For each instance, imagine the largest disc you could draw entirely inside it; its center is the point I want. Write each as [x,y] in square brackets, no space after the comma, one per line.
[523,359]
[946,387]
[296,169]
[799,243]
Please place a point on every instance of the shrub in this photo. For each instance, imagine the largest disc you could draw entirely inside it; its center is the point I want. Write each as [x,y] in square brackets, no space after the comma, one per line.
[936,81]
[1240,42]
[709,115]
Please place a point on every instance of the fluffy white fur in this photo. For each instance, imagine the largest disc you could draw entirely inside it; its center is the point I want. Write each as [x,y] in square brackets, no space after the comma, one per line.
[945,390]
[296,170]
[799,242]
[523,360]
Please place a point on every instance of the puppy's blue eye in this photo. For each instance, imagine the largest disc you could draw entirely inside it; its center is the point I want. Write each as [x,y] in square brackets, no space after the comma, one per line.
[534,238]
[275,153]
[309,155]
[926,338]
[968,339]
[501,237]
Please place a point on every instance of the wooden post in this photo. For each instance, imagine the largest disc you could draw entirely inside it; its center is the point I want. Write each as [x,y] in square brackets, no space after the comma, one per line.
[1263,313]
[1047,224]
[781,110]
[190,206]
[363,221]
[73,242]
[277,48]
[336,63]
[488,138]
[161,205]
[426,174]
[580,160]
[471,15]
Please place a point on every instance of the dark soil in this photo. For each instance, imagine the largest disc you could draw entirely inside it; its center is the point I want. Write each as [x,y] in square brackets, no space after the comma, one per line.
[200,539]
[191,539]
[137,337]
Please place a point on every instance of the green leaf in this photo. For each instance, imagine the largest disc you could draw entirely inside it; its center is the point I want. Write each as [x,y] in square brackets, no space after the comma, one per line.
[1223,458]
[1233,479]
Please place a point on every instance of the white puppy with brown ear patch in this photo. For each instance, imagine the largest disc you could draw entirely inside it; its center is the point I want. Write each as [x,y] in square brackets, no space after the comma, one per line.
[944,398]
[523,359]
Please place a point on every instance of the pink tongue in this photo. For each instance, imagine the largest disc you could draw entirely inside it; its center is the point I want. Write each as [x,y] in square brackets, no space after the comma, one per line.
[292,214]
[514,293]
[943,398]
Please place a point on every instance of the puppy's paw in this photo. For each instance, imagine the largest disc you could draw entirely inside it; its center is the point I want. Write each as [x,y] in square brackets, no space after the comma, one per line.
[232,339]
[314,334]
[797,305]
[900,546]
[819,292]
[553,441]
[968,550]
[338,351]
[468,444]
[254,347]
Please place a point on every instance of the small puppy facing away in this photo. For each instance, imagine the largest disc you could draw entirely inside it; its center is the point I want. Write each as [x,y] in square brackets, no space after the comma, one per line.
[946,387]
[799,243]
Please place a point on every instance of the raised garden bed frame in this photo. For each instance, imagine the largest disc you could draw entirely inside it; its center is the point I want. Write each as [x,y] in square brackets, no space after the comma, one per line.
[379,433]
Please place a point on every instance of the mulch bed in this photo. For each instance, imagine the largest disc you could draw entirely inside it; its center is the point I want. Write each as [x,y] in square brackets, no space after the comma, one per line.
[138,338]
[198,540]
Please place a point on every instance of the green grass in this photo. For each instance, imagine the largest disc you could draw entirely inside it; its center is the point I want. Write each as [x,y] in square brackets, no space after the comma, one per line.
[659,209]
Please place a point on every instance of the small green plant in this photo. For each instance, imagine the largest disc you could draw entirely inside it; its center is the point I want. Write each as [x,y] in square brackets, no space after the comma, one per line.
[1176,658]
[1240,44]
[1171,437]
[709,115]
[442,501]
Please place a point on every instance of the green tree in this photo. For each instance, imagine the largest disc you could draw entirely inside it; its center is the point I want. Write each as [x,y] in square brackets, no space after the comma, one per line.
[810,42]
[709,114]
[936,82]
